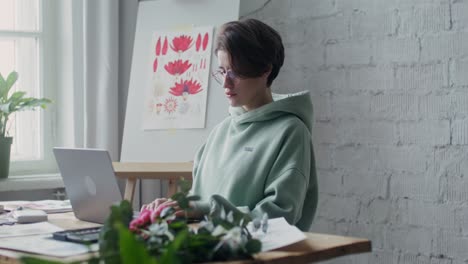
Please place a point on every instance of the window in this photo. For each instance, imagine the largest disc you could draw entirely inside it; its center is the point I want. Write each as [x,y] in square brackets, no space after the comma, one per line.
[26,45]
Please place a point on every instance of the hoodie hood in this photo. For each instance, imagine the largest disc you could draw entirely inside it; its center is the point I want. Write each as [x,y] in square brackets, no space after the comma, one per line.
[298,104]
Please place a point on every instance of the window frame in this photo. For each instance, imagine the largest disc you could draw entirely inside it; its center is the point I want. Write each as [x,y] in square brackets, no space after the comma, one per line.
[47,43]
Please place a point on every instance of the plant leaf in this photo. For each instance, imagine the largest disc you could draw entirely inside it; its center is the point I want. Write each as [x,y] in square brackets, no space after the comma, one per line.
[109,236]
[30,103]
[181,199]
[253,246]
[3,89]
[185,185]
[193,198]
[170,255]
[131,250]
[5,108]
[11,79]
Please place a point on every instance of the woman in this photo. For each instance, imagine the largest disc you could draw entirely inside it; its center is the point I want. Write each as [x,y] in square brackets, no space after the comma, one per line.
[260,156]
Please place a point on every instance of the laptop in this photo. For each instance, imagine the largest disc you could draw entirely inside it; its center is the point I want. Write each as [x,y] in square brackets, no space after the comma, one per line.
[90,182]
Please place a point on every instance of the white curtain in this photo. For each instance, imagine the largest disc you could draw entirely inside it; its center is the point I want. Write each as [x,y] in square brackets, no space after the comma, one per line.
[88,57]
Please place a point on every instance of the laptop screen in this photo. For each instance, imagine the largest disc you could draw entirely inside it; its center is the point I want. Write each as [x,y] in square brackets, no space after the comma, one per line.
[90,182]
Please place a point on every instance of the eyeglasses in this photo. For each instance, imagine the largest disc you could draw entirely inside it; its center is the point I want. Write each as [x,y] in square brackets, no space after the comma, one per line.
[221,75]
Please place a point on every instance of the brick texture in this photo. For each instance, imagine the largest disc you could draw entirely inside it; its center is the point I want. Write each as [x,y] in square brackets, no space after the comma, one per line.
[389,83]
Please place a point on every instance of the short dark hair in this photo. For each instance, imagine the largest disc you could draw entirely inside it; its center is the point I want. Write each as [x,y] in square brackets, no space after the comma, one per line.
[253,46]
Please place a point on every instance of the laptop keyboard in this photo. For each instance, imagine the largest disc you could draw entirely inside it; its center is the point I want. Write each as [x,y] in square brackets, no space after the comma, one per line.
[83,235]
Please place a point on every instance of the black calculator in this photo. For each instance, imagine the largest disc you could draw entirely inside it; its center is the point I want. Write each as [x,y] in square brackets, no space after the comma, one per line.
[82,235]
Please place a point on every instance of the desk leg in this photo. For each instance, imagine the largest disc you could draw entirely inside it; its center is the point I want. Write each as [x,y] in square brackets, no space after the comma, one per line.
[130,189]
[172,188]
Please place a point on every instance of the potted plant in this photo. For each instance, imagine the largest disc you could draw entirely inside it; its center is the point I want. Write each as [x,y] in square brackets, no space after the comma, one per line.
[11,102]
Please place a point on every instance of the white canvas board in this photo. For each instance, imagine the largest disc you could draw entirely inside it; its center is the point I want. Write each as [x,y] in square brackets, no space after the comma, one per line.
[172,144]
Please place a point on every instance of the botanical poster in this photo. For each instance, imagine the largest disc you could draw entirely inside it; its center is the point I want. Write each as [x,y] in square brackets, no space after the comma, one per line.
[180,68]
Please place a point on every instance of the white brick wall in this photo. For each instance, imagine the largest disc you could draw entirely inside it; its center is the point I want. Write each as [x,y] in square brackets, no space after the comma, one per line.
[460,19]
[389,83]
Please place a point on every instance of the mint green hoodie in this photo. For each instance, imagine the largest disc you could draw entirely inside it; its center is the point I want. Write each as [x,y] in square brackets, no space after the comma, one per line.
[262,159]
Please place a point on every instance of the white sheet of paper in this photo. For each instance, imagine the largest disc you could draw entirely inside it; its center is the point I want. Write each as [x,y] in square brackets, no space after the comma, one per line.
[48,206]
[27,229]
[280,233]
[45,245]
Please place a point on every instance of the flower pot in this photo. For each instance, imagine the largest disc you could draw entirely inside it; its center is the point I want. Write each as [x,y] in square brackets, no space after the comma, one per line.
[5,148]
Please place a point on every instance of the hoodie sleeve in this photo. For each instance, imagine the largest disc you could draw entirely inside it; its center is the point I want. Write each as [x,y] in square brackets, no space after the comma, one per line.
[197,159]
[286,185]
[196,163]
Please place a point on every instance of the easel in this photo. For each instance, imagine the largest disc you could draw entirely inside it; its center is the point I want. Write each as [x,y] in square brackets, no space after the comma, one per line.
[172,145]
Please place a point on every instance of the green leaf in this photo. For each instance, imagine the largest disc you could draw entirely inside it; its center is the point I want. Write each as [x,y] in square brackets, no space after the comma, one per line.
[16,96]
[170,255]
[7,84]
[178,225]
[131,250]
[193,197]
[185,185]
[3,86]
[11,79]
[253,246]
[16,99]
[181,200]
[31,103]
[177,196]
[5,108]
[16,102]
[109,236]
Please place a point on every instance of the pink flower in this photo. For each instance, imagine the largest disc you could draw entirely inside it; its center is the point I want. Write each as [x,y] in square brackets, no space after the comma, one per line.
[142,221]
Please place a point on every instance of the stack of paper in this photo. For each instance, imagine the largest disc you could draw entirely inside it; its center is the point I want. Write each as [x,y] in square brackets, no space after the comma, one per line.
[279,234]
[27,230]
[48,206]
[37,238]
[45,245]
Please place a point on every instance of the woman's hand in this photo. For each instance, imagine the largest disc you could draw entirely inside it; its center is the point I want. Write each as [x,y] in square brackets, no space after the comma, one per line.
[164,202]
[154,204]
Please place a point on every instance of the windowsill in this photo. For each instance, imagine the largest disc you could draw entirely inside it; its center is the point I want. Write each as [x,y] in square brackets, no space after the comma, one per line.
[33,182]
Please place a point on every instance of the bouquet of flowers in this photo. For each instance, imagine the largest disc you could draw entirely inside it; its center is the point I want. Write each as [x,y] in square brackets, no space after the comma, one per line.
[160,237]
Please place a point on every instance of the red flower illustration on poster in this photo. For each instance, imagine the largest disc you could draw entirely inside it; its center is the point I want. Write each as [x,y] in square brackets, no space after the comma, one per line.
[170,105]
[164,48]
[198,43]
[187,87]
[158,47]
[181,43]
[177,67]
[205,41]
[155,65]
[180,75]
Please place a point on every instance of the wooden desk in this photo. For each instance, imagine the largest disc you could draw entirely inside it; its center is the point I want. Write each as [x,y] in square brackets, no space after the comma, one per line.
[316,247]
[171,172]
